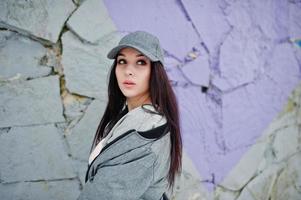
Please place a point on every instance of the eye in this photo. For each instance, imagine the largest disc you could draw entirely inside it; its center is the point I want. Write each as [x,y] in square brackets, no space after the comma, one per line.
[121,61]
[141,62]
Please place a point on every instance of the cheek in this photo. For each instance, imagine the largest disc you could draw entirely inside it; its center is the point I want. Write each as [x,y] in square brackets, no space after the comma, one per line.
[146,79]
[149,73]
[117,73]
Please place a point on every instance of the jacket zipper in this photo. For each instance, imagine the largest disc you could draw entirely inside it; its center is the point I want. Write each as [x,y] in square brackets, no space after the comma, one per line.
[105,147]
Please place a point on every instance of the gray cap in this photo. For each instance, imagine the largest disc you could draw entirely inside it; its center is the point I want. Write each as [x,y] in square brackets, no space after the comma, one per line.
[142,41]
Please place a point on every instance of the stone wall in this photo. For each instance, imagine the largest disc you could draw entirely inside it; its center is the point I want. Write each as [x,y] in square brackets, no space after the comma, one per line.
[234,65]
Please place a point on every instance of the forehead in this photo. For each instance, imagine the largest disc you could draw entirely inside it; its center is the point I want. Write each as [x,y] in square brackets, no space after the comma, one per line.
[130,51]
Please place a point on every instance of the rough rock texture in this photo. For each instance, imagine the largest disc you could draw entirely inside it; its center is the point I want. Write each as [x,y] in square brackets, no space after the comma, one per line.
[21,57]
[36,101]
[207,19]
[187,184]
[41,19]
[86,74]
[91,21]
[79,145]
[294,23]
[271,168]
[198,64]
[232,65]
[33,153]
[241,62]
[61,189]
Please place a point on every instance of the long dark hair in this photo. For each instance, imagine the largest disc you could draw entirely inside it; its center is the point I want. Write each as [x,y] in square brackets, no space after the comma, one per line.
[164,101]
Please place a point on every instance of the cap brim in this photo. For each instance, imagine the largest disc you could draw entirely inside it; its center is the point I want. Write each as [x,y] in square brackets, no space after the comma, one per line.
[113,53]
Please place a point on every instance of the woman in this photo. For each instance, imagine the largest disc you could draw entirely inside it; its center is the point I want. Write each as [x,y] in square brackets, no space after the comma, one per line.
[137,148]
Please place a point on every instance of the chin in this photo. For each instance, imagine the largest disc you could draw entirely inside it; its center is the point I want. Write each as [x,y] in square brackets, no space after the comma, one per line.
[129,94]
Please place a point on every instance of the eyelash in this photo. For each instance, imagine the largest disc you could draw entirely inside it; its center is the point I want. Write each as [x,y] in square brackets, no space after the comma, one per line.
[142,62]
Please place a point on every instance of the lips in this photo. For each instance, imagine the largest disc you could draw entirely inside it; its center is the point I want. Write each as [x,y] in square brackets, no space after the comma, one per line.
[128,83]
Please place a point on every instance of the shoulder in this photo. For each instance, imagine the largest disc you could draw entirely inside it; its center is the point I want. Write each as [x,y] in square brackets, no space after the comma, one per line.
[155,132]
[146,120]
[153,125]
[151,120]
[156,128]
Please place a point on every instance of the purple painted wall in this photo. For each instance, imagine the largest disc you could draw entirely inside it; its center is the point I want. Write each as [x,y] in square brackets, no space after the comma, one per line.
[241,51]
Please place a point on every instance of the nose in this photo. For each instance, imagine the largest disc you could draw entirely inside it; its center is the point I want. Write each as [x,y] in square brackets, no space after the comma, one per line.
[129,70]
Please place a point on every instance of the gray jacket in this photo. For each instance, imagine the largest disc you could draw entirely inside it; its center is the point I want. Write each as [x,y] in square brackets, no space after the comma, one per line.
[135,162]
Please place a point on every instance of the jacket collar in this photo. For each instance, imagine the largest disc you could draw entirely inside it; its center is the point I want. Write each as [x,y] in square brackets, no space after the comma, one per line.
[147,124]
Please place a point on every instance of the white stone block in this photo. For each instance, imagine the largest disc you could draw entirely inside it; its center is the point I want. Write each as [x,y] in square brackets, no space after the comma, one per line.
[20,57]
[41,18]
[91,21]
[245,169]
[86,66]
[36,101]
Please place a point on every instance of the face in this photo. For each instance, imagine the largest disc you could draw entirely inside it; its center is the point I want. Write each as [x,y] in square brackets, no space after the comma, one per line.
[133,72]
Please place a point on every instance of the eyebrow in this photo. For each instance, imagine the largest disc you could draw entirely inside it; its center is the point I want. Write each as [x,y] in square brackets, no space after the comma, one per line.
[121,54]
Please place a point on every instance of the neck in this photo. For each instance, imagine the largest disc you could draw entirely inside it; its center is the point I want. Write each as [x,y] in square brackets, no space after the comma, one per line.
[134,103]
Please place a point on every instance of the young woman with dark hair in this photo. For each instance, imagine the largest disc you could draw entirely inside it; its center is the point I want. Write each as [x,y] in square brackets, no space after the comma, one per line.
[136,152]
